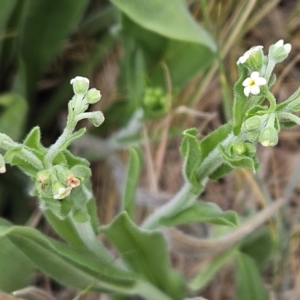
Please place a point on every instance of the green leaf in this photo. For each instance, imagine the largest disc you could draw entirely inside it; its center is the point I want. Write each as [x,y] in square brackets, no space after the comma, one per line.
[11,258]
[73,160]
[259,246]
[210,268]
[182,59]
[169,18]
[36,30]
[190,150]
[211,141]
[13,115]
[132,178]
[66,264]
[33,140]
[145,252]
[249,284]
[202,212]
[81,171]
[14,157]
[220,172]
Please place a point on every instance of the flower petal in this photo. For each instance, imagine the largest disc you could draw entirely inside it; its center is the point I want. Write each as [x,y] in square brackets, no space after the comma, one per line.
[255,90]
[260,81]
[247,90]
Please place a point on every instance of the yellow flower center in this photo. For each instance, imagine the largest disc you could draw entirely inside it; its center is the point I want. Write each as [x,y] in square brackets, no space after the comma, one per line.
[251,82]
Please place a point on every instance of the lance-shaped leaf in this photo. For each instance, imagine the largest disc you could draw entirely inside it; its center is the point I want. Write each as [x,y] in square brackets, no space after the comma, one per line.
[210,268]
[169,18]
[190,150]
[249,284]
[211,141]
[11,258]
[202,212]
[66,264]
[145,252]
[15,157]
[133,175]
[33,139]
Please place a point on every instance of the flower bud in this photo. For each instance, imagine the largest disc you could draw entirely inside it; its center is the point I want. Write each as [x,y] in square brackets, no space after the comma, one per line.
[250,149]
[43,176]
[279,51]
[93,96]
[239,148]
[97,118]
[253,58]
[268,137]
[80,85]
[252,124]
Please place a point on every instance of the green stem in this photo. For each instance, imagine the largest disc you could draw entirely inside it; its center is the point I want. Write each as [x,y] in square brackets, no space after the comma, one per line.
[269,69]
[55,148]
[272,101]
[185,197]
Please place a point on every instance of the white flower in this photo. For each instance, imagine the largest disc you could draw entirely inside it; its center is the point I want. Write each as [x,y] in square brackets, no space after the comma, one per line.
[80,78]
[287,47]
[62,193]
[3,169]
[247,54]
[253,83]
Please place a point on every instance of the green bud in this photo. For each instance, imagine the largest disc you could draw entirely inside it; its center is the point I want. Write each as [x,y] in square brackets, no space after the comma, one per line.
[251,124]
[43,176]
[93,96]
[250,149]
[97,118]
[256,59]
[279,51]
[268,137]
[239,148]
[80,85]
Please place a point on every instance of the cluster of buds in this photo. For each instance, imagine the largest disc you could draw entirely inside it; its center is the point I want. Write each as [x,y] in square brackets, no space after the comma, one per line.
[264,128]
[155,102]
[82,99]
[56,183]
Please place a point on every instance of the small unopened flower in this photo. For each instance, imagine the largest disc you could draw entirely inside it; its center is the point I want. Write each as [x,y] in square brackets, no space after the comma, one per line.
[252,84]
[93,96]
[72,181]
[248,53]
[62,193]
[3,169]
[287,47]
[80,84]
[268,137]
